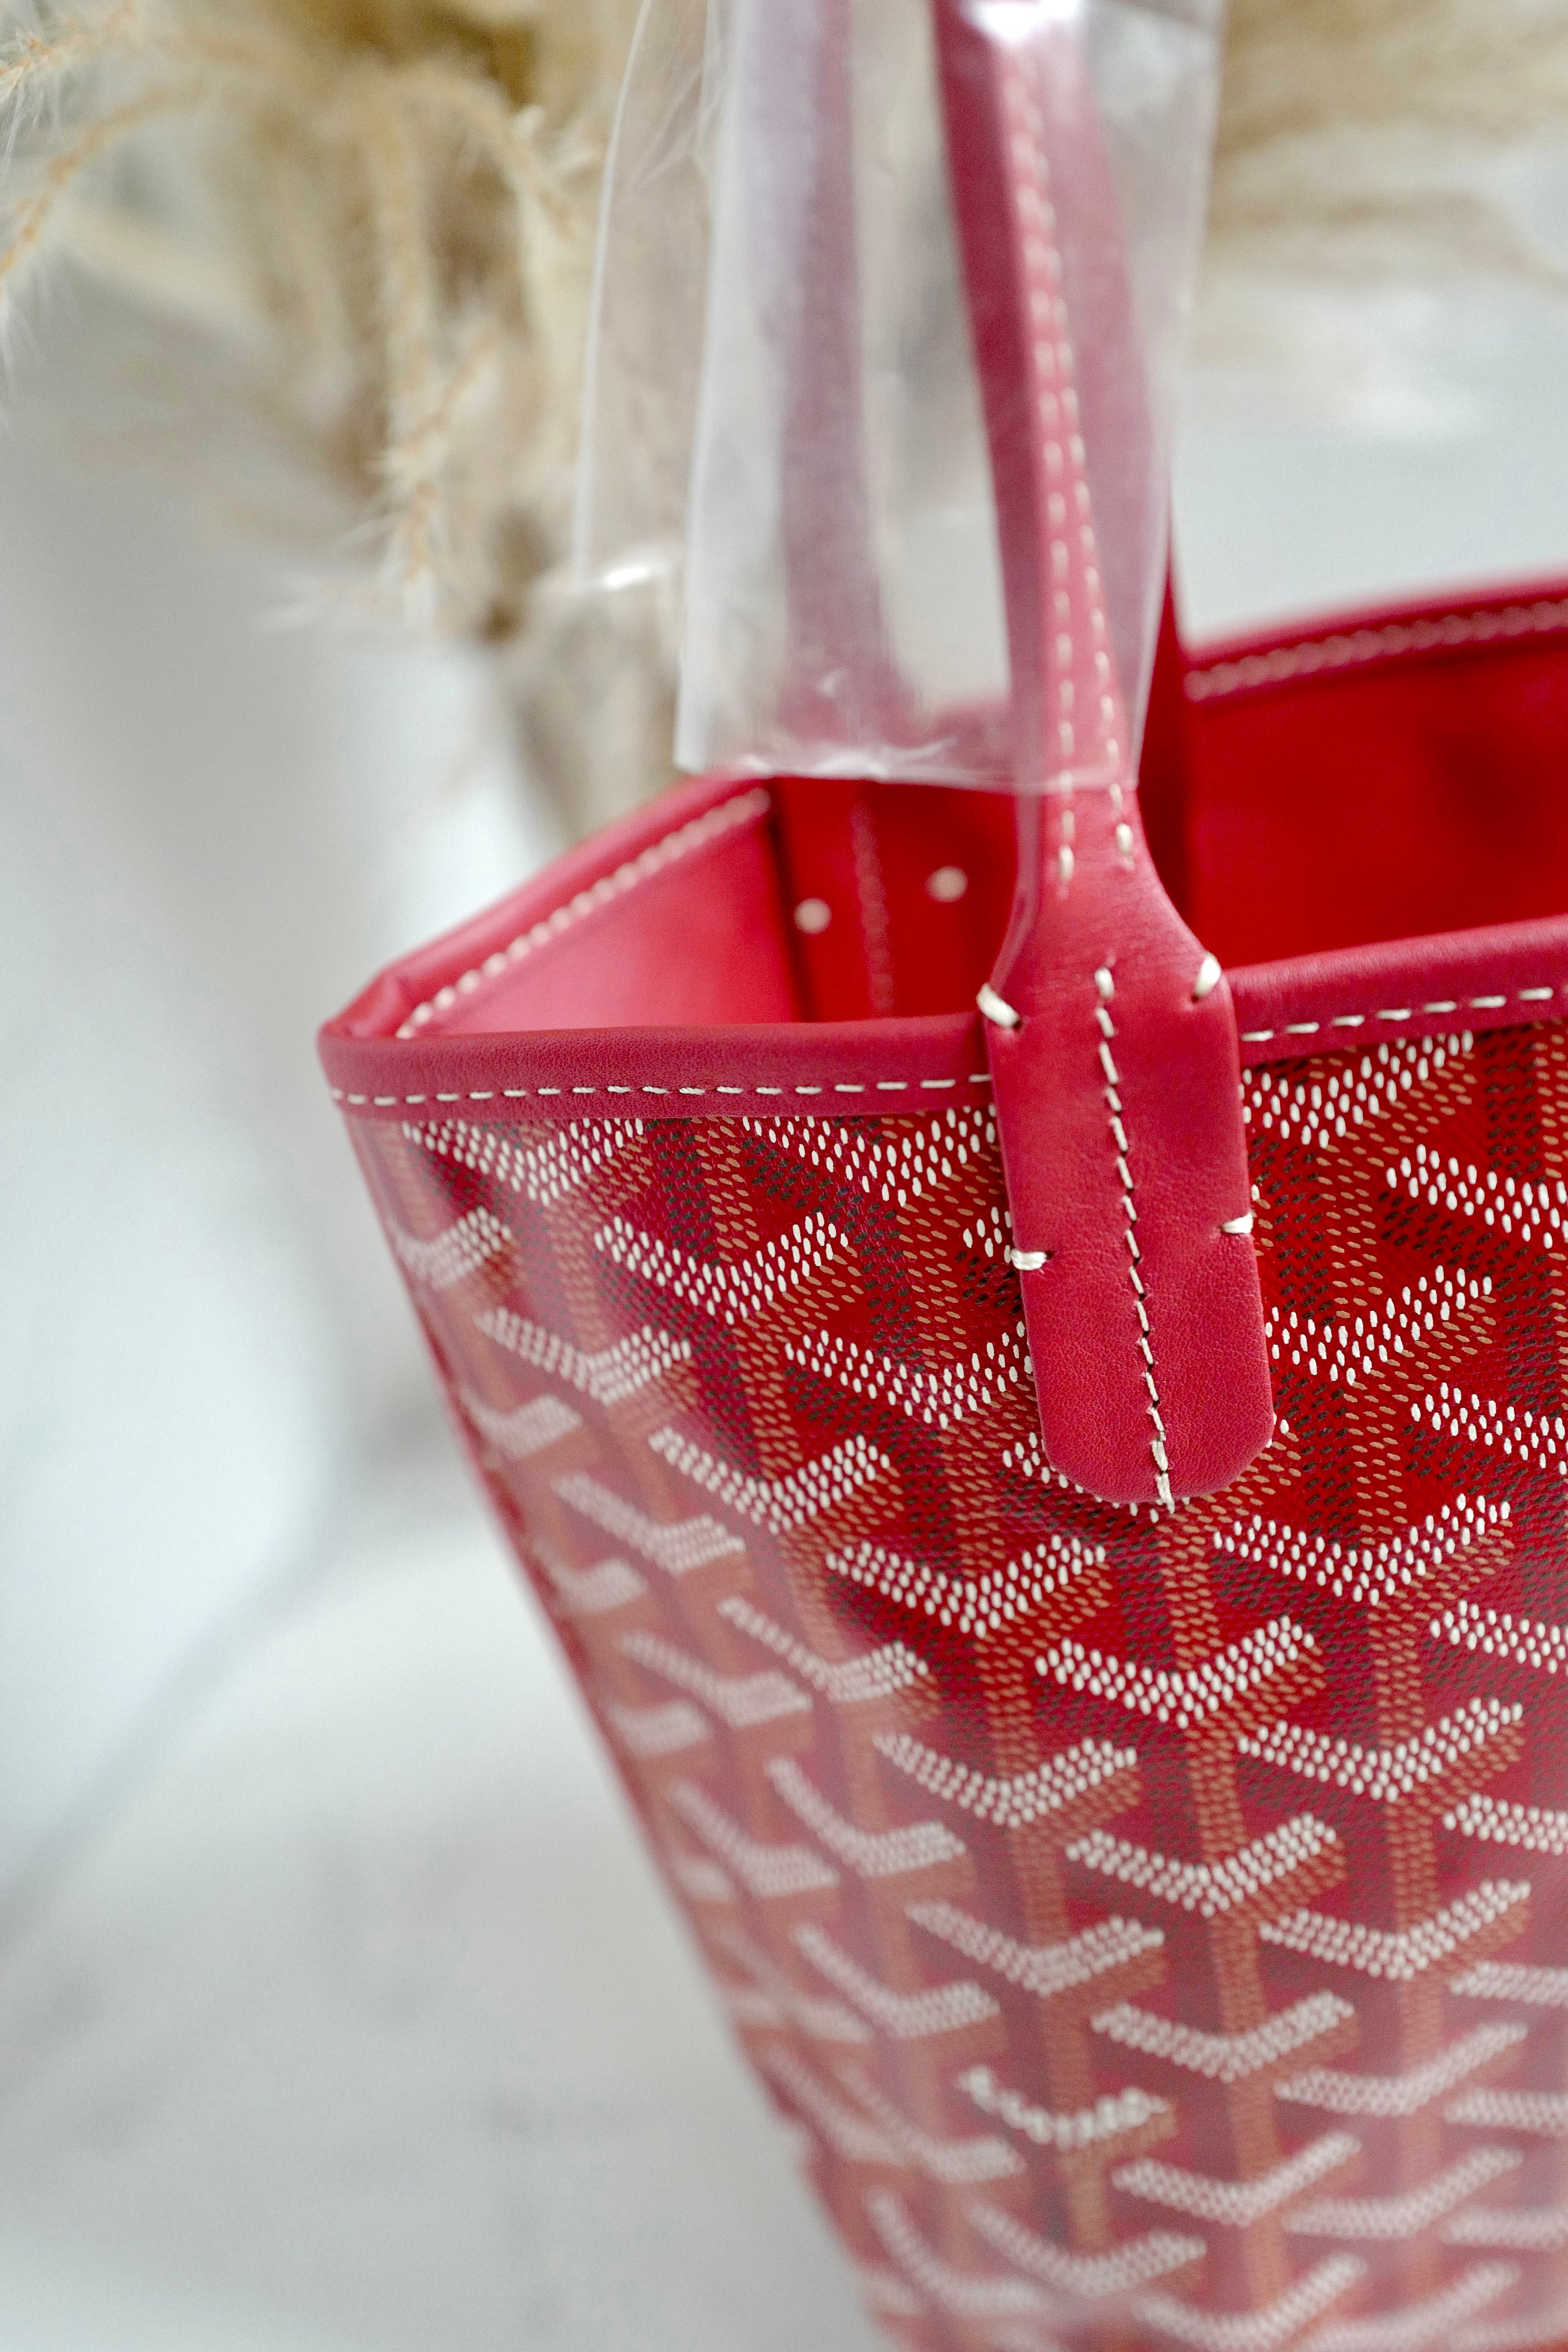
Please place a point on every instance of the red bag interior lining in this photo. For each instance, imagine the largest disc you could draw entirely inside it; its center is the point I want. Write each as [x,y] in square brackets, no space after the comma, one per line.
[1322,796]
[1378,800]
[1384,801]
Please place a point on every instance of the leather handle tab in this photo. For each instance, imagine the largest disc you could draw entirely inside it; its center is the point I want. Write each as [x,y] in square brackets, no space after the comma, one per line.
[1113,1045]
[1112,1036]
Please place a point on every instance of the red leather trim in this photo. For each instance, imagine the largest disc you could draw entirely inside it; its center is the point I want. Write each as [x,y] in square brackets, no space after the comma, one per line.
[1357,997]
[835,1069]
[1492,979]
[1476,623]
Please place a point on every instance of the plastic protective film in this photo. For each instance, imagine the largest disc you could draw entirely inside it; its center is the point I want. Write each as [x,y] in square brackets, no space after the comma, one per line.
[783,408]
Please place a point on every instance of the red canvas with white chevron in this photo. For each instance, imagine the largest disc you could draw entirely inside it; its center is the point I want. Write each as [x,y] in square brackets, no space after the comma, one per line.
[1153,1925]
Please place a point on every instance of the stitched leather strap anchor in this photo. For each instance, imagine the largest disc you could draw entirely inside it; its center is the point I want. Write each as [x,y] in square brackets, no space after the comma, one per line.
[1113,1048]
[1112,1040]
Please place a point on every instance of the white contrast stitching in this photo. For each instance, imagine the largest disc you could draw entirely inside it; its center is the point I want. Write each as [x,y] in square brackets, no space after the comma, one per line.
[1066,484]
[682,842]
[1309,656]
[1441,1007]
[1106,989]
[521,1094]
[1397,1013]
[996,1009]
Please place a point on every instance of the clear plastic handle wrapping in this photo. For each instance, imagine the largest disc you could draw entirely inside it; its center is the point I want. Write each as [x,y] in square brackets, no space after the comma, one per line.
[784,412]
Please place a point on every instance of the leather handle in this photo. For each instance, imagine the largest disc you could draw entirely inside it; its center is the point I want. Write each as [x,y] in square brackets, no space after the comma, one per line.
[1112,1036]
[1036,209]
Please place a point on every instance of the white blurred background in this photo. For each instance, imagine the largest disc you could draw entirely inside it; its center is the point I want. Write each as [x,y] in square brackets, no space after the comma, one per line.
[337,2005]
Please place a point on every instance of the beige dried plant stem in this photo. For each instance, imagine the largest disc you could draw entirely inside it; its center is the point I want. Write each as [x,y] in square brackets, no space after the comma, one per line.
[1355,135]
[31,224]
[408,314]
[404,194]
[38,61]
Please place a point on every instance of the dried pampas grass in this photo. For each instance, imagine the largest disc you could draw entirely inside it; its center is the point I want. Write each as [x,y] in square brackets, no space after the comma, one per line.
[389,204]
[1361,138]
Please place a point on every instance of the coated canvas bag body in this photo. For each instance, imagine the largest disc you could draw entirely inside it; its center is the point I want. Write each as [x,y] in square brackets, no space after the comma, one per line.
[1057,1508]
[1155,1918]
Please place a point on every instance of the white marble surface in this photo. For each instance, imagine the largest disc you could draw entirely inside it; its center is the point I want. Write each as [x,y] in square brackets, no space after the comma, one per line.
[363,2027]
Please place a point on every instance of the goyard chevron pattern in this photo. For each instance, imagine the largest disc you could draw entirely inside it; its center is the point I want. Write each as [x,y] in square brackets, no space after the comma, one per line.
[1153,1923]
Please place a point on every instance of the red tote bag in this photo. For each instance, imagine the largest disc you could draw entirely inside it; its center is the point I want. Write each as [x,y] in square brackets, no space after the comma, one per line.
[1057,1506]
